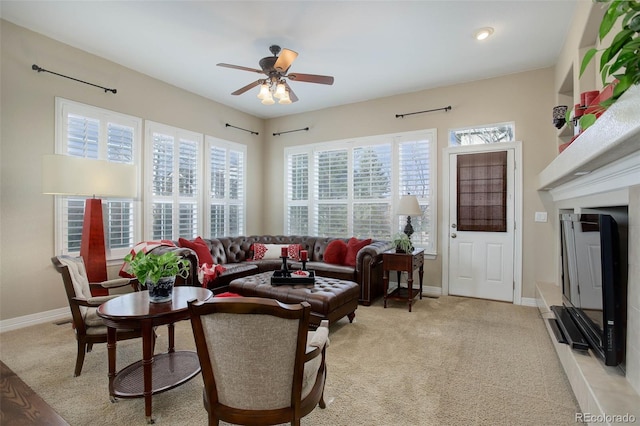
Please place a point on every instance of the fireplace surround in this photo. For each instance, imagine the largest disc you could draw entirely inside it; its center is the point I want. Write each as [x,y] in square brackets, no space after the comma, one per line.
[602,168]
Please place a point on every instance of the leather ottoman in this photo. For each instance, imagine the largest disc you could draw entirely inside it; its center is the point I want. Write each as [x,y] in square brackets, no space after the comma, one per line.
[330,298]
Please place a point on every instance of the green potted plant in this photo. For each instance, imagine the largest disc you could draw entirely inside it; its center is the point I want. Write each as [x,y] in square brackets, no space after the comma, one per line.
[157,272]
[402,242]
[622,58]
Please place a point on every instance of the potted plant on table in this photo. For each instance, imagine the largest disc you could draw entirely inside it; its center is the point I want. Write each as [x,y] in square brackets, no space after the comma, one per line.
[622,58]
[157,272]
[402,242]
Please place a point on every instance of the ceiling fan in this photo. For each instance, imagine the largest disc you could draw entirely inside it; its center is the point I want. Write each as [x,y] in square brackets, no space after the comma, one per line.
[276,69]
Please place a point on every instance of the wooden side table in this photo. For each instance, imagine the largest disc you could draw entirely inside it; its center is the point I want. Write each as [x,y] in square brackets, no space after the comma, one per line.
[402,262]
[155,373]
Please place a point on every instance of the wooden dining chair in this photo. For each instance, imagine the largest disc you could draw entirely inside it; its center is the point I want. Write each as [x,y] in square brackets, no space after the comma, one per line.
[260,364]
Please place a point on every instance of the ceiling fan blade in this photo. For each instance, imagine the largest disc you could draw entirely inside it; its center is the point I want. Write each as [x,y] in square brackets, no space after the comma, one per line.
[238,67]
[311,78]
[285,60]
[292,95]
[247,87]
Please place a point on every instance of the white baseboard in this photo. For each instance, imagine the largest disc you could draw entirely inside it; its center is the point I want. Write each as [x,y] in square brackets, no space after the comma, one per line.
[33,319]
[431,291]
[529,301]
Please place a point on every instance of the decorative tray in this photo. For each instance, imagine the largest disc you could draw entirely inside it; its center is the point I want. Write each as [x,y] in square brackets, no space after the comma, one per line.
[293,278]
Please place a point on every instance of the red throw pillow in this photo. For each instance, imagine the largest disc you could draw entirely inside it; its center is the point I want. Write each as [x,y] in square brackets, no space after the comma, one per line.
[200,247]
[335,252]
[353,247]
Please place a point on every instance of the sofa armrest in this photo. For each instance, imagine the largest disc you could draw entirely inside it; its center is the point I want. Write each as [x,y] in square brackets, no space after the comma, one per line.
[369,270]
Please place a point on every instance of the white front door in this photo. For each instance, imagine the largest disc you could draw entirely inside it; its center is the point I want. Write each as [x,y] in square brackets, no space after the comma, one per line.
[481,224]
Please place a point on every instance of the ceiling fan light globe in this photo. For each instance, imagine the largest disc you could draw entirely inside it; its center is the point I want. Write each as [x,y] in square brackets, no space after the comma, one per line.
[268,100]
[264,91]
[281,91]
[285,99]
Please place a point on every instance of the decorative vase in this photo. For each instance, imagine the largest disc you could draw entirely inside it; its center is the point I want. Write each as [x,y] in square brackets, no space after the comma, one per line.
[162,291]
[559,113]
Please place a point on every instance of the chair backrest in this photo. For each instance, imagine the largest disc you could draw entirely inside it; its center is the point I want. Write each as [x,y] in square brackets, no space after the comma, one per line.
[252,353]
[74,277]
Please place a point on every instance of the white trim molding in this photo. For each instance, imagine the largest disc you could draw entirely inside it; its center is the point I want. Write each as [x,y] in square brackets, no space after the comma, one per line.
[16,323]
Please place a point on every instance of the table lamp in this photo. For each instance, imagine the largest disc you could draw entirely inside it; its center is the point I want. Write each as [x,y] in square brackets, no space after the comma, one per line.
[409,206]
[75,176]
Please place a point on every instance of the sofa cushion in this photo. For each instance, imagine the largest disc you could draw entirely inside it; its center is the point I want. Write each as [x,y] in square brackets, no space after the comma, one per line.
[274,251]
[353,247]
[335,252]
[200,247]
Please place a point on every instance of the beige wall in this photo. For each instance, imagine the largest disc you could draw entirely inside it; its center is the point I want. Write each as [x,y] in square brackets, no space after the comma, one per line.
[28,283]
[525,98]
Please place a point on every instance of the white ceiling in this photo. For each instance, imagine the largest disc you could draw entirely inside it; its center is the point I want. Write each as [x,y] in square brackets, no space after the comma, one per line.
[372,48]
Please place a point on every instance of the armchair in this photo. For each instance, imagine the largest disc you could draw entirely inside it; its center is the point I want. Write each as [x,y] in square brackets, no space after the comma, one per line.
[260,364]
[88,326]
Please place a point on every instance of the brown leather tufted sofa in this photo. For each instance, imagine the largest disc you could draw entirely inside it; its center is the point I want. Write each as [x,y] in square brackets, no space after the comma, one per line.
[235,254]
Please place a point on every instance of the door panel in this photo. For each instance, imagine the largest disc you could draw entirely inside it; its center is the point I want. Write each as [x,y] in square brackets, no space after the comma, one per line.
[481,237]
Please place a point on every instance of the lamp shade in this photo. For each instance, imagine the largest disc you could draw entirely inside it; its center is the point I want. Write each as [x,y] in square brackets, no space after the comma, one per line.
[67,175]
[409,206]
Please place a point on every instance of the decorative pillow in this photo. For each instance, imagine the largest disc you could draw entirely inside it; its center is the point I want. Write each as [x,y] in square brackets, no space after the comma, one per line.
[207,274]
[274,251]
[353,247]
[200,247]
[335,252]
[143,246]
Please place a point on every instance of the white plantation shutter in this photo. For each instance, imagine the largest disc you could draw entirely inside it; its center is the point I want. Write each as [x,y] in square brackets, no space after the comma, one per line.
[355,189]
[415,170]
[372,191]
[298,194]
[331,192]
[95,133]
[226,187]
[175,188]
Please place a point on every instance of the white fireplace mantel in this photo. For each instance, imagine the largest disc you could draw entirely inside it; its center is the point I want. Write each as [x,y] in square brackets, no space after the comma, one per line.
[604,158]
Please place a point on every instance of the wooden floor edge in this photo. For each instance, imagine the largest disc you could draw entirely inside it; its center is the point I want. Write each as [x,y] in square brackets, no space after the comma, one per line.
[20,405]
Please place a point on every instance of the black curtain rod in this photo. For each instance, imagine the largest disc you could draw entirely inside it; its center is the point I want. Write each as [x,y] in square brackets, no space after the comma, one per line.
[290,131]
[106,89]
[240,128]
[420,112]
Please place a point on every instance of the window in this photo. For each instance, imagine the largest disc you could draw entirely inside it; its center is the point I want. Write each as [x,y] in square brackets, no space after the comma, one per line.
[174,172]
[225,163]
[492,133]
[95,133]
[350,188]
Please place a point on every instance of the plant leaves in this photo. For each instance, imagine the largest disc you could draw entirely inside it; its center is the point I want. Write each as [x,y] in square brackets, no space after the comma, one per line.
[587,121]
[609,19]
[587,58]
[622,86]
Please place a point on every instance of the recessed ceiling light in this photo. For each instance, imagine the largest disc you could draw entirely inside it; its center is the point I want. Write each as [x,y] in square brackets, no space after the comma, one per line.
[483,33]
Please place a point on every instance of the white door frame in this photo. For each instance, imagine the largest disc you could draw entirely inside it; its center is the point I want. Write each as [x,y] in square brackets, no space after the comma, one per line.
[517,214]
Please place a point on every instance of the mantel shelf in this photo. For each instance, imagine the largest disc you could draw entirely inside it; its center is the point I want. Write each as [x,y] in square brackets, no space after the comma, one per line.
[614,136]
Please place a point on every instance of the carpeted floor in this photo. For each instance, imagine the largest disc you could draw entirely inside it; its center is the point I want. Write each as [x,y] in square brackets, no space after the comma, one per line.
[452,361]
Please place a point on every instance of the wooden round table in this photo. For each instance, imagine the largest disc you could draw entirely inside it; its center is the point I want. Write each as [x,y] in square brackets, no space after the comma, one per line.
[154,373]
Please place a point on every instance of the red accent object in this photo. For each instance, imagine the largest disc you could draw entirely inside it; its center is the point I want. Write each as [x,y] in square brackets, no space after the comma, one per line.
[284,251]
[303,255]
[335,251]
[353,247]
[200,247]
[227,294]
[92,247]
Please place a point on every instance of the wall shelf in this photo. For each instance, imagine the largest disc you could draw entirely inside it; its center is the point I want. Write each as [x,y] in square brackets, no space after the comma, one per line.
[614,136]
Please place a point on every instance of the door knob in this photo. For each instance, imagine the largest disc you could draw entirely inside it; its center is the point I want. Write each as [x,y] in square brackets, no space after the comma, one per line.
[453,235]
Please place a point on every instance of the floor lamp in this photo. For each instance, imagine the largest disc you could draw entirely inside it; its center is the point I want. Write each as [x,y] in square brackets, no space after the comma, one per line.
[75,176]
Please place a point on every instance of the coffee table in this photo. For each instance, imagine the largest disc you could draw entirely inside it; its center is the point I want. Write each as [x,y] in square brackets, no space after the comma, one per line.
[330,298]
[154,373]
